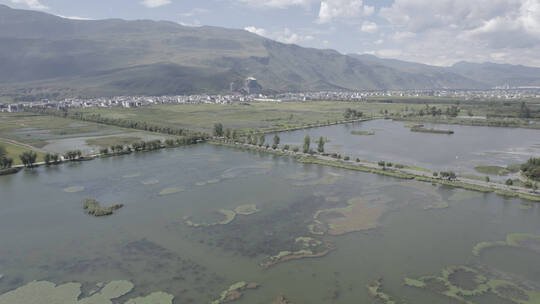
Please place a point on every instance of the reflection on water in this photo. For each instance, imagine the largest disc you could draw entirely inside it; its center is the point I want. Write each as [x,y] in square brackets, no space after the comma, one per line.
[310,233]
[393,141]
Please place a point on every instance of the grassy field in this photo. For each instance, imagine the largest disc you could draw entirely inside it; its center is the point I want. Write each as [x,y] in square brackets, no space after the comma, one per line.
[106,142]
[13,152]
[258,115]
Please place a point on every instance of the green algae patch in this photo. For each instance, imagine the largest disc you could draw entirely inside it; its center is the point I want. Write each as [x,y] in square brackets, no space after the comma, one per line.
[368,133]
[152,181]
[234,292]
[213,181]
[414,283]
[132,175]
[333,199]
[93,207]
[74,189]
[247,209]
[519,240]
[153,298]
[360,214]
[375,290]
[113,290]
[39,292]
[245,171]
[200,184]
[308,247]
[171,190]
[437,206]
[228,214]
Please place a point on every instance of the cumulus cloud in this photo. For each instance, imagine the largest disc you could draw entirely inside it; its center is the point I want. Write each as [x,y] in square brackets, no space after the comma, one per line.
[342,9]
[74,17]
[155,3]
[258,31]
[369,27]
[287,36]
[445,31]
[195,12]
[277,3]
[33,4]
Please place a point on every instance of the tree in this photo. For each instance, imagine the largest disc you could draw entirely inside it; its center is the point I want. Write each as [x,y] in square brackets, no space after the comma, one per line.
[320,148]
[47,158]
[261,140]
[3,151]
[234,135]
[509,182]
[28,158]
[218,130]
[276,142]
[228,133]
[307,142]
[487,179]
[524,111]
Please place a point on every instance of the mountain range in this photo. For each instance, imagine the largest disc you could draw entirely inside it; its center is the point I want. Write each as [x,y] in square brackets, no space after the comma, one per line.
[43,56]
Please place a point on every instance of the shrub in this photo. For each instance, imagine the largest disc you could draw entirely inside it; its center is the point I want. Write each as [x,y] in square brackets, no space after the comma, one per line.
[346,158]
[435,174]
[381,163]
[357,160]
[286,147]
[509,182]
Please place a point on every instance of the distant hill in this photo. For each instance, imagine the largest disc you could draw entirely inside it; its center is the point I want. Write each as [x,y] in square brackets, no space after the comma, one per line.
[45,56]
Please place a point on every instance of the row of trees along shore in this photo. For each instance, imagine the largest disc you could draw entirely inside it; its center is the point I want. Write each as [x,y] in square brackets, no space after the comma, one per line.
[29,158]
[124,123]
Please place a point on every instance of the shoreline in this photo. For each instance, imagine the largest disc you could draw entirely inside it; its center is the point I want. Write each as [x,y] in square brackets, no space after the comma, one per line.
[404,173]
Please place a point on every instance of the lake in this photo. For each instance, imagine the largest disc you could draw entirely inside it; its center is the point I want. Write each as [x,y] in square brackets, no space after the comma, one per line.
[393,141]
[176,233]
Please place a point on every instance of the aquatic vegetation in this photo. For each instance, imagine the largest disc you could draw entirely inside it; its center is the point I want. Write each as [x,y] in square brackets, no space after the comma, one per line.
[132,175]
[333,199]
[229,217]
[360,214]
[113,290]
[280,300]
[439,206]
[152,181]
[459,195]
[461,282]
[375,290]
[308,248]
[74,189]
[421,128]
[525,206]
[246,209]
[329,179]
[521,240]
[153,298]
[213,181]
[92,207]
[456,282]
[245,171]
[414,283]
[171,190]
[372,132]
[492,170]
[38,292]
[234,292]
[200,184]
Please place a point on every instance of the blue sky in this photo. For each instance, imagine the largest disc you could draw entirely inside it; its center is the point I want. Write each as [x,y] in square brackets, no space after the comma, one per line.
[439,32]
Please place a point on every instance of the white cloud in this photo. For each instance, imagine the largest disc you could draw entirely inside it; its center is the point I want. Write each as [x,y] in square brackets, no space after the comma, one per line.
[195,12]
[33,4]
[342,9]
[379,42]
[369,27]
[74,17]
[277,3]
[287,36]
[446,31]
[258,31]
[155,3]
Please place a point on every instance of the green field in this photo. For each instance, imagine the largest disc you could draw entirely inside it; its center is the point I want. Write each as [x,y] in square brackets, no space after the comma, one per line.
[105,142]
[13,152]
[257,115]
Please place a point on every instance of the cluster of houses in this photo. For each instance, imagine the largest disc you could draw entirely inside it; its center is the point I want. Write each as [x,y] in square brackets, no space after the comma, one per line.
[353,96]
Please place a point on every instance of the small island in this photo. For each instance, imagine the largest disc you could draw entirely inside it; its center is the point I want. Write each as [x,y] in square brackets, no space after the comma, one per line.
[92,207]
[421,128]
